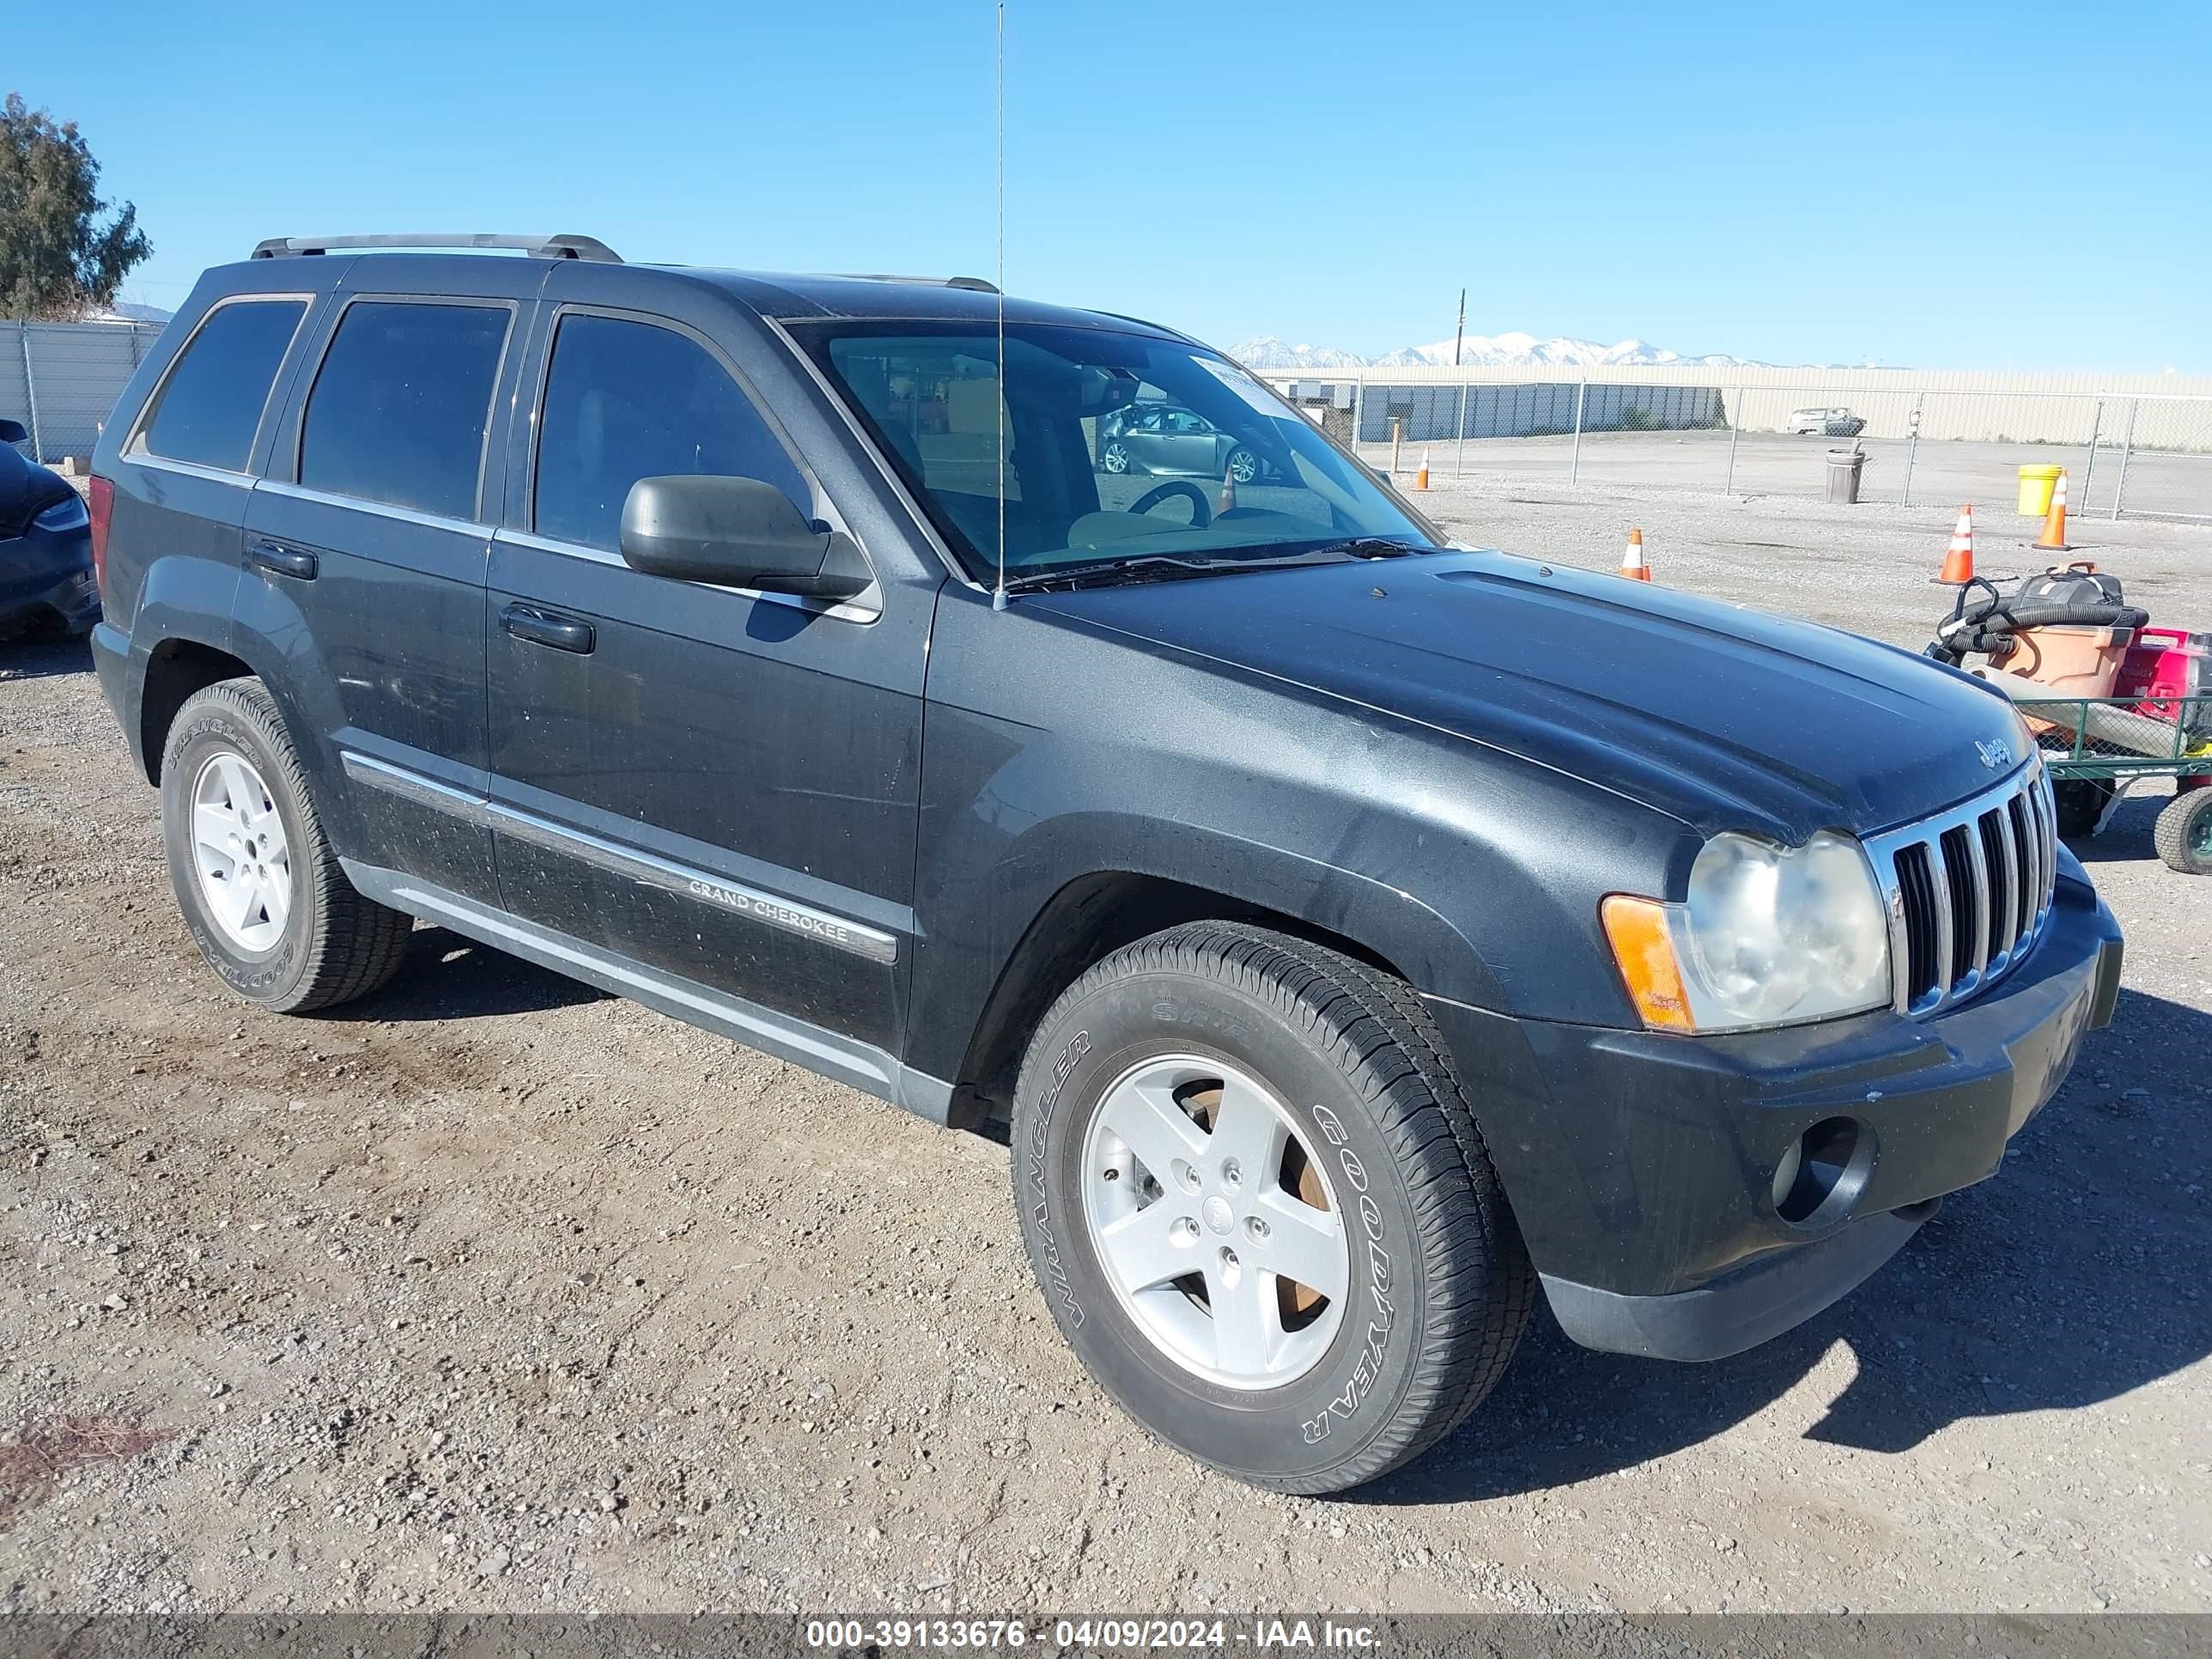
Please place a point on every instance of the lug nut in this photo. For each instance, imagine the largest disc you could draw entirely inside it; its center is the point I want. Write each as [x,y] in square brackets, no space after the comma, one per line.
[1256,1227]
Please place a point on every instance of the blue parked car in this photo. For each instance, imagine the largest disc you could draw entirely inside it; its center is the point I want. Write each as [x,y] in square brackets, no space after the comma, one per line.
[46,579]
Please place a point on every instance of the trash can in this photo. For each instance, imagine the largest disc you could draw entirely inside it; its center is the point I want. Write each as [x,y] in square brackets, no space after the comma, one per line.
[1845,467]
[2036,483]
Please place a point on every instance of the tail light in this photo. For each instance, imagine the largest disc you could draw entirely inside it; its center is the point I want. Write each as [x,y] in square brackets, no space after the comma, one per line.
[100,502]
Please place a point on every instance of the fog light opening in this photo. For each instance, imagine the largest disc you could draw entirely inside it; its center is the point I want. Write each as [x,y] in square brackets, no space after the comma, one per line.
[1821,1174]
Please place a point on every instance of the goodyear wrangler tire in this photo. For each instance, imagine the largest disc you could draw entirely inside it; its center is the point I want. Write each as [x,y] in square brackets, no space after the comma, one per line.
[259,886]
[1260,1208]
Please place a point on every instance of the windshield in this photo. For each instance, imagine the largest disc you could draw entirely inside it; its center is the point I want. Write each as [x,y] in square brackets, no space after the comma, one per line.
[1118,447]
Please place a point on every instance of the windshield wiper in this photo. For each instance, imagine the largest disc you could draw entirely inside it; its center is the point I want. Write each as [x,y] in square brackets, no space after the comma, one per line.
[1371,547]
[1167,566]
[1141,567]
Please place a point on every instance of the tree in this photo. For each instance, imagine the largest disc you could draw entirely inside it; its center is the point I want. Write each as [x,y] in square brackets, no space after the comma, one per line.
[57,258]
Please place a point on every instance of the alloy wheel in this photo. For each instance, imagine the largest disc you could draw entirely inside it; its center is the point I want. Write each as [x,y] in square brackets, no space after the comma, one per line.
[1215,1222]
[239,852]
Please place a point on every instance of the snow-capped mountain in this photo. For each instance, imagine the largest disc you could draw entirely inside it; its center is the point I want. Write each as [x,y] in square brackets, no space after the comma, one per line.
[1268,352]
[1490,350]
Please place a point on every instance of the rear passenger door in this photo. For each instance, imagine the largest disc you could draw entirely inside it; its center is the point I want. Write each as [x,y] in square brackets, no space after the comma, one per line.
[714,783]
[365,555]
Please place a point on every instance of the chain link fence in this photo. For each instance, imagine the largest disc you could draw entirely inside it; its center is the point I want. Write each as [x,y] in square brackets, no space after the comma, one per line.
[60,379]
[2125,450]
[2147,455]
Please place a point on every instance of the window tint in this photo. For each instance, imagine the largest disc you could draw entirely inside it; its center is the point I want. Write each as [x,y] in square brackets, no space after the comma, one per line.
[210,405]
[399,407]
[625,401]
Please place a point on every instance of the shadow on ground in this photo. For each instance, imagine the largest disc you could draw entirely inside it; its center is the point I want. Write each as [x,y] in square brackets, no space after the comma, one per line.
[41,656]
[448,977]
[2127,834]
[2077,1273]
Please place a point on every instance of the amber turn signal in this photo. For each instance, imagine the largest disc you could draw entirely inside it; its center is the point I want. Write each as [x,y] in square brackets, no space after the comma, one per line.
[1644,951]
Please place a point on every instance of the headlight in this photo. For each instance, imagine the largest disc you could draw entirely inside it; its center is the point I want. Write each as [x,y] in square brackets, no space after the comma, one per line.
[66,515]
[1768,936]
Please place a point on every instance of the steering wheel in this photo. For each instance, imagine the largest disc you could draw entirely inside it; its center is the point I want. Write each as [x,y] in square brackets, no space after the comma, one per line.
[1201,510]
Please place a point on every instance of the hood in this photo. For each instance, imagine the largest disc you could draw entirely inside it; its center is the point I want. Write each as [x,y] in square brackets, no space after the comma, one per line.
[1724,717]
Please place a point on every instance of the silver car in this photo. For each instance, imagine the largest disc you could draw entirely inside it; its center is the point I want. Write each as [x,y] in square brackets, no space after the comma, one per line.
[1825,423]
[1169,439]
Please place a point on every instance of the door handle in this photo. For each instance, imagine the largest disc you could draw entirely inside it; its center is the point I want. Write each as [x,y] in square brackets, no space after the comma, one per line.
[282,561]
[526,621]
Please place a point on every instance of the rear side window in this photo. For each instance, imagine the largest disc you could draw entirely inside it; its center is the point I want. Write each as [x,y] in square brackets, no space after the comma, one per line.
[401,404]
[209,408]
[625,401]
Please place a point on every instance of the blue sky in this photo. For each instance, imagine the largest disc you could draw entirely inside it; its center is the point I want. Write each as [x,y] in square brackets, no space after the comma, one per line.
[1945,185]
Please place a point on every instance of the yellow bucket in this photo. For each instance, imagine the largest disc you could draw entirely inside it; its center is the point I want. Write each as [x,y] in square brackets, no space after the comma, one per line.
[2036,483]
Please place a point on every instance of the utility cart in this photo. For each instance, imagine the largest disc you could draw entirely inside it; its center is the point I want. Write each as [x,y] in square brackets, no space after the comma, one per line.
[2109,698]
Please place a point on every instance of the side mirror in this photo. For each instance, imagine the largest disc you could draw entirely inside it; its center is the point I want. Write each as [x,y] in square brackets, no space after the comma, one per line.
[12,432]
[739,532]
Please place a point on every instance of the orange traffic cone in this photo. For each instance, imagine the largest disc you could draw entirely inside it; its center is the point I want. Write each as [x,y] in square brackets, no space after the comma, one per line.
[1958,562]
[1632,565]
[1228,491]
[1421,478]
[2054,522]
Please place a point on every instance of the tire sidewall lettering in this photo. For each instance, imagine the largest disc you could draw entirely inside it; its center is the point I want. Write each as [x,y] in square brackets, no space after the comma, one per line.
[1058,1284]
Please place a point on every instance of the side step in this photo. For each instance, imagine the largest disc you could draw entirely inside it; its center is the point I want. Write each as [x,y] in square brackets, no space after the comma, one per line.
[863,1066]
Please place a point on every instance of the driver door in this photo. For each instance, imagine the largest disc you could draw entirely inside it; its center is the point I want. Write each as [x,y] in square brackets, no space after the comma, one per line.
[709,782]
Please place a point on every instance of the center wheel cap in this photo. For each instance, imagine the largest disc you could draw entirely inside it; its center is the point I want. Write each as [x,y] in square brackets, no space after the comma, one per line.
[1218,1216]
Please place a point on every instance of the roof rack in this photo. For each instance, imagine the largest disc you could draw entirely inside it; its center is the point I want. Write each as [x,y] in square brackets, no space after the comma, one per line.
[976,283]
[538,247]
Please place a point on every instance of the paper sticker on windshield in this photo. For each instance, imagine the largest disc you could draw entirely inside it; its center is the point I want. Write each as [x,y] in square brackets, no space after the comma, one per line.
[1245,387]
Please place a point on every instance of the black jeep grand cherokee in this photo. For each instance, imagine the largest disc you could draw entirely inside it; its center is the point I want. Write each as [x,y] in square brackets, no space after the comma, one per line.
[1359,933]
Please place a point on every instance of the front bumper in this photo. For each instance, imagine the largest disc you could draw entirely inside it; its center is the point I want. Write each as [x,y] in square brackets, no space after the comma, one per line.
[1641,1165]
[47,579]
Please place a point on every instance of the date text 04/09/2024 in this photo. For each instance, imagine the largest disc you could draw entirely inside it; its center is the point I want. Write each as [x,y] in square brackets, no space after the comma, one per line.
[1173,1635]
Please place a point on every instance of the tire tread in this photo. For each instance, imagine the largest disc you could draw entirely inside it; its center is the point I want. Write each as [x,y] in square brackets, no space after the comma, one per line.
[2170,833]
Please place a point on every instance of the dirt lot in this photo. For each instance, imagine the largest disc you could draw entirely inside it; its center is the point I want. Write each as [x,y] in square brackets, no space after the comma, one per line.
[494,1293]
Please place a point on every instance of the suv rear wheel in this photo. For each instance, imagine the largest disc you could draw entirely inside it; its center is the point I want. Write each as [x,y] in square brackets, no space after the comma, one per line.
[258,885]
[1259,1207]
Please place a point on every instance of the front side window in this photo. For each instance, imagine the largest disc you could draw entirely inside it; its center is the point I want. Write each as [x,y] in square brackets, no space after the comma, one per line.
[627,400]
[1106,447]
[402,403]
[209,408]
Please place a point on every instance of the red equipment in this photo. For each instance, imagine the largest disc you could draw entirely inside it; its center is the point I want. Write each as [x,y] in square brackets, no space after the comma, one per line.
[2162,667]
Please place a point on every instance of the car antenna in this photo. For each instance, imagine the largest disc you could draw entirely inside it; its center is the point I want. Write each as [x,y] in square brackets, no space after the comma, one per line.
[999,596]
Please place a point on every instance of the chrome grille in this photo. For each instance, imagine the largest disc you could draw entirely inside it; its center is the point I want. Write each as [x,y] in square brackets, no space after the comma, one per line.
[1968,891]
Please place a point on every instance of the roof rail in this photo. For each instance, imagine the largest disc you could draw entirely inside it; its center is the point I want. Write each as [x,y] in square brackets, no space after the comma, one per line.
[976,283]
[538,247]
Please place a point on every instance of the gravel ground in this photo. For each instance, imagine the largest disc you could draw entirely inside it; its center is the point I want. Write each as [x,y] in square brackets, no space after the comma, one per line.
[492,1294]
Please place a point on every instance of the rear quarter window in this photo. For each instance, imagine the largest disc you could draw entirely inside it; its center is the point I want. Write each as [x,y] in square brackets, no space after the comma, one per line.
[209,407]
[401,404]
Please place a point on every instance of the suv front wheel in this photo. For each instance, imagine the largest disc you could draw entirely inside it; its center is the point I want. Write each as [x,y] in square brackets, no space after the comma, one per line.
[258,885]
[1260,1208]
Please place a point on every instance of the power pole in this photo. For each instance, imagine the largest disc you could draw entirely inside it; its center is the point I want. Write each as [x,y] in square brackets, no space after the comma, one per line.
[1462,333]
